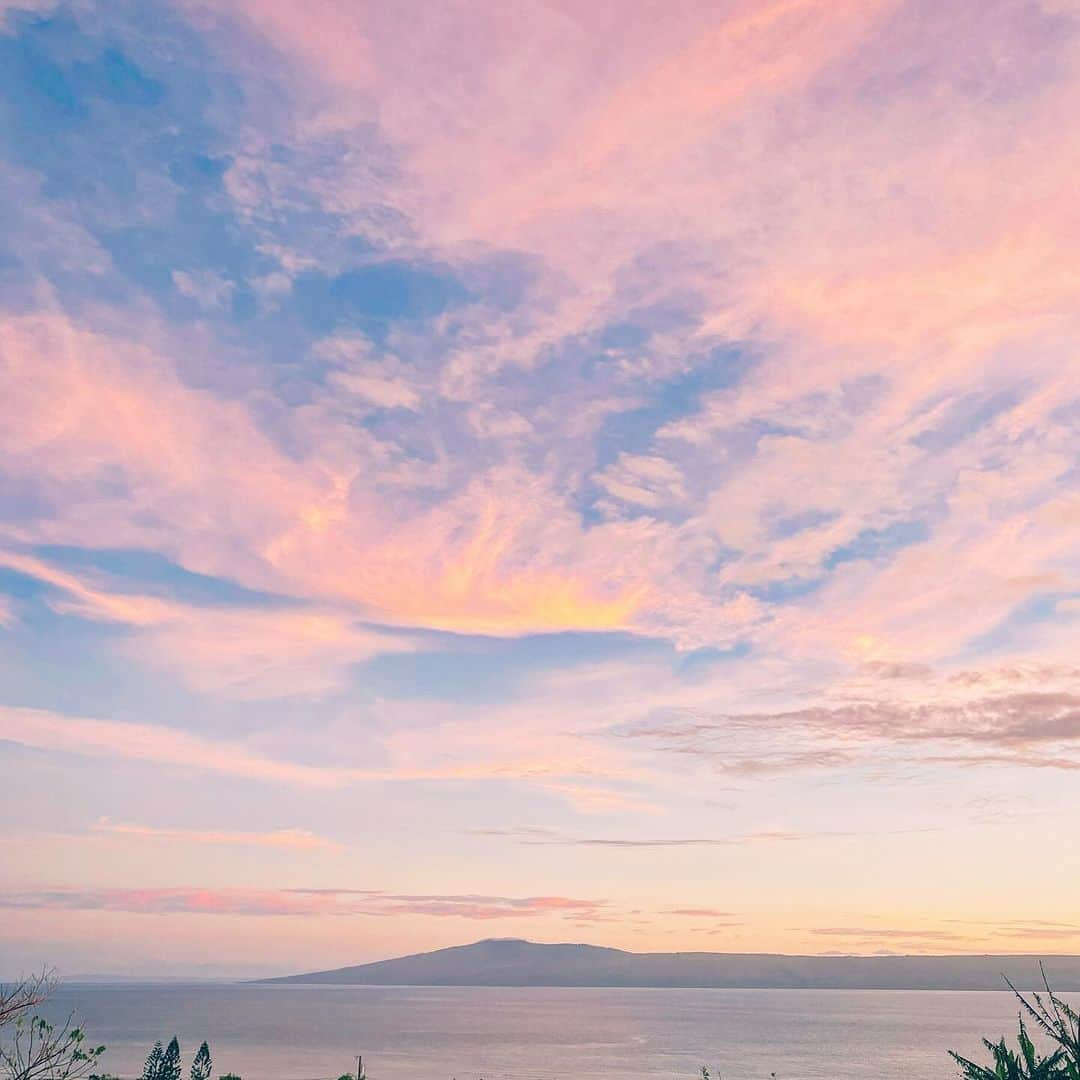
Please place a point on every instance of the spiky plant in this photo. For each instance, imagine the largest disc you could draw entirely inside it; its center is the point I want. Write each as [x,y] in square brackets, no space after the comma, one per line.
[202,1065]
[1007,1065]
[1056,1019]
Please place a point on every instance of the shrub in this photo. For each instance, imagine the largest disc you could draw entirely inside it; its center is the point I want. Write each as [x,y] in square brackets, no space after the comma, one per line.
[1055,1019]
[38,1050]
[1027,1065]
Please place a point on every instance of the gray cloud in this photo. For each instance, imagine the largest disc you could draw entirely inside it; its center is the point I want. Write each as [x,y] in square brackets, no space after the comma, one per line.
[1029,728]
[536,836]
[887,933]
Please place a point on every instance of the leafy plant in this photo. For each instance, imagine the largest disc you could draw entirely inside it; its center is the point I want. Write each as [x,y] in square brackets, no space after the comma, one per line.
[38,1049]
[19,998]
[1058,1020]
[1055,1019]
[42,1051]
[1026,1065]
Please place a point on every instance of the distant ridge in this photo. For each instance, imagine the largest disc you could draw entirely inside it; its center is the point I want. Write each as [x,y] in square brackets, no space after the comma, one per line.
[513,962]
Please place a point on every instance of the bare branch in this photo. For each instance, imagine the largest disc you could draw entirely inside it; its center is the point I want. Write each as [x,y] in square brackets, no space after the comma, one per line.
[18,998]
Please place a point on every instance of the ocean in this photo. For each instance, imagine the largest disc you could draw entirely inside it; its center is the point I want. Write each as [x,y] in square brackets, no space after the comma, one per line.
[408,1033]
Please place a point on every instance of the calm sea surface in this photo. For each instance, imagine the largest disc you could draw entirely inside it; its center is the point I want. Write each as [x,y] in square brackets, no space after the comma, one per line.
[404,1033]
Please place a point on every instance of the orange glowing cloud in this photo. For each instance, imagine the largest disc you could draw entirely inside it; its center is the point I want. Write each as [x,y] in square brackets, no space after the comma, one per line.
[457,567]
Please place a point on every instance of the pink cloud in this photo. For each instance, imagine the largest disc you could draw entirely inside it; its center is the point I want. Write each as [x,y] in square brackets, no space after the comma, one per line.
[497,559]
[8,7]
[284,839]
[560,766]
[296,902]
[766,154]
[43,730]
[231,651]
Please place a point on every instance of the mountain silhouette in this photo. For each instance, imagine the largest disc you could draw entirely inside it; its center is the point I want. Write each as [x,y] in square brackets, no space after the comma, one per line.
[515,962]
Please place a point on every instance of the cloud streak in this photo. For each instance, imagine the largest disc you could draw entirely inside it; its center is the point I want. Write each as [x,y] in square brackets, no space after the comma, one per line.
[41,730]
[296,902]
[130,741]
[279,839]
[1026,728]
[233,652]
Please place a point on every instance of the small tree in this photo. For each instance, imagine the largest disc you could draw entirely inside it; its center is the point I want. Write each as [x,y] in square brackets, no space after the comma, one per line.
[38,1049]
[152,1068]
[170,1060]
[19,998]
[202,1065]
[43,1051]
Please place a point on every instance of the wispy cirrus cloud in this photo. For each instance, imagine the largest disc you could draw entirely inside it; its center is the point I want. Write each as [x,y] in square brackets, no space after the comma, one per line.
[888,933]
[455,565]
[42,730]
[296,902]
[1030,728]
[544,837]
[155,743]
[231,651]
[701,913]
[1044,929]
[281,839]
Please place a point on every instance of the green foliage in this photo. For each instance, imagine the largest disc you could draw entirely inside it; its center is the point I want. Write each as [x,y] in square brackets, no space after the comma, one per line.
[37,1049]
[19,998]
[152,1068]
[1026,1065]
[1059,1021]
[202,1064]
[42,1051]
[229,1076]
[164,1063]
[170,1061]
[1055,1019]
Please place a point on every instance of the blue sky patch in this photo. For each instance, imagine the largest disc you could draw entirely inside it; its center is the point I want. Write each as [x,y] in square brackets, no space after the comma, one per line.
[878,543]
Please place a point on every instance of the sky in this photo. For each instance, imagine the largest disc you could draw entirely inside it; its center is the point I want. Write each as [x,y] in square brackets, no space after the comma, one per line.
[597,472]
